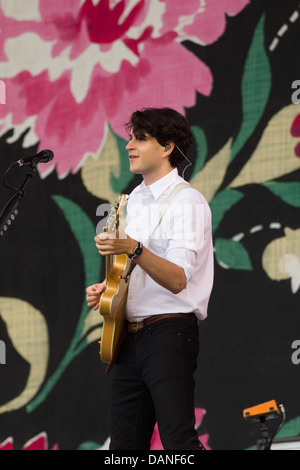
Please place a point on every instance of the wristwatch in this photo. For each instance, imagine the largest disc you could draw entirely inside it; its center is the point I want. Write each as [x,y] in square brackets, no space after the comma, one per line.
[137,251]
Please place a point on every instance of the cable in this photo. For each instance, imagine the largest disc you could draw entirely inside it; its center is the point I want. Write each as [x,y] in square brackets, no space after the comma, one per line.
[282,409]
[186,158]
[4,178]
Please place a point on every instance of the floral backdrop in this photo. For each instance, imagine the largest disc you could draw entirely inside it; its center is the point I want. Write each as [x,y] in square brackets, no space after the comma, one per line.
[74,71]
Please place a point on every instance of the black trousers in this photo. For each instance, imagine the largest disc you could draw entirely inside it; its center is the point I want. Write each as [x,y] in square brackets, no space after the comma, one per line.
[154,382]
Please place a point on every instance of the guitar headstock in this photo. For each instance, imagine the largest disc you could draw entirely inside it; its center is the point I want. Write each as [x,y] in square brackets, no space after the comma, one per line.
[113,220]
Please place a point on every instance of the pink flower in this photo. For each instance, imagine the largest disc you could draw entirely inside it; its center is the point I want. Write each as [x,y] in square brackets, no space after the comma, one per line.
[209,22]
[39,442]
[199,414]
[77,66]
[295,131]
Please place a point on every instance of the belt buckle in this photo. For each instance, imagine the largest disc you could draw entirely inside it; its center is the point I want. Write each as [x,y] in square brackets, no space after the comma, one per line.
[136,329]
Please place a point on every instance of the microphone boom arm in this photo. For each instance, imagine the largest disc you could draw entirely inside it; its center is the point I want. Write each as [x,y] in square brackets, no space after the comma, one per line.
[10,211]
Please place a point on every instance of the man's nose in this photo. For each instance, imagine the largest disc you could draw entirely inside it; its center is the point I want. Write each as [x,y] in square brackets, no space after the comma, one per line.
[130,145]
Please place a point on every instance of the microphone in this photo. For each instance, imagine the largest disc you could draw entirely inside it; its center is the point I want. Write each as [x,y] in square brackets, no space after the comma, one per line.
[42,157]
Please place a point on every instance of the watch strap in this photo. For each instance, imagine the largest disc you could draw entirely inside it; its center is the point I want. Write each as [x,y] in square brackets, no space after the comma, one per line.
[137,252]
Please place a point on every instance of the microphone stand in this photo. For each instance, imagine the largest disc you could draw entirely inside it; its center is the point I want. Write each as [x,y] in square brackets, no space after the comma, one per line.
[10,210]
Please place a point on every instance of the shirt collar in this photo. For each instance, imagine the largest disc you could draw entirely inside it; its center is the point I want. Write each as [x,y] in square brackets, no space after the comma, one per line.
[162,184]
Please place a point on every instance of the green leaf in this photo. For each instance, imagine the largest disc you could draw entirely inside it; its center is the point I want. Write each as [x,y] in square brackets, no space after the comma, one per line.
[84,232]
[222,203]
[256,87]
[89,445]
[232,254]
[288,192]
[290,429]
[201,144]
[118,184]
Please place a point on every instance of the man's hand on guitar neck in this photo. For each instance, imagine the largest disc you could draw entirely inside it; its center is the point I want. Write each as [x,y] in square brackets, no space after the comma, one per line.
[93,294]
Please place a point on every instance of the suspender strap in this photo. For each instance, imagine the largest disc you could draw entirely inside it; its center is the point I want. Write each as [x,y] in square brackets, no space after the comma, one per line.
[164,206]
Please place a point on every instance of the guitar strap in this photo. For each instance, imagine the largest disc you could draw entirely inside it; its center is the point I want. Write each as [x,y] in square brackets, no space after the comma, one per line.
[164,206]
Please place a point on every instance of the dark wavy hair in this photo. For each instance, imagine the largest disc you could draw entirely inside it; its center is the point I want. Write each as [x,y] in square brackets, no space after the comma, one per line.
[166,125]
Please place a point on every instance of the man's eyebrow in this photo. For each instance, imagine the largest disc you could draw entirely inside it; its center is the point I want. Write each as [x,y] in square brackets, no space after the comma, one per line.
[139,134]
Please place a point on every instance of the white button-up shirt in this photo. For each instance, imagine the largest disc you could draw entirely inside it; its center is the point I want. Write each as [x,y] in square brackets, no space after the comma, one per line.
[184,237]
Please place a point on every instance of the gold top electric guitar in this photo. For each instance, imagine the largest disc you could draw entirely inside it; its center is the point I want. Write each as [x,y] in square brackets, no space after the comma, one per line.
[113,299]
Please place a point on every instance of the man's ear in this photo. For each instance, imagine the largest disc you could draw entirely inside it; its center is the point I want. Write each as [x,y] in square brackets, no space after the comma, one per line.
[169,147]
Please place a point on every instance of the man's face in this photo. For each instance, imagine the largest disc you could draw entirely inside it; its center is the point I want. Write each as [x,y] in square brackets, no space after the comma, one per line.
[146,156]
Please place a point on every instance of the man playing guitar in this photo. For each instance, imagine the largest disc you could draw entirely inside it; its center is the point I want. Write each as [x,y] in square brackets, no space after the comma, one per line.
[168,292]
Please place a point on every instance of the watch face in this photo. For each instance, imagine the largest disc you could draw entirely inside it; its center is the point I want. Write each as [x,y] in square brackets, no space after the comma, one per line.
[138,250]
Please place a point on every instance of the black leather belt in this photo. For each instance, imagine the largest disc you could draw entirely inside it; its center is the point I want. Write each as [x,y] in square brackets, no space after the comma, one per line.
[134,327]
